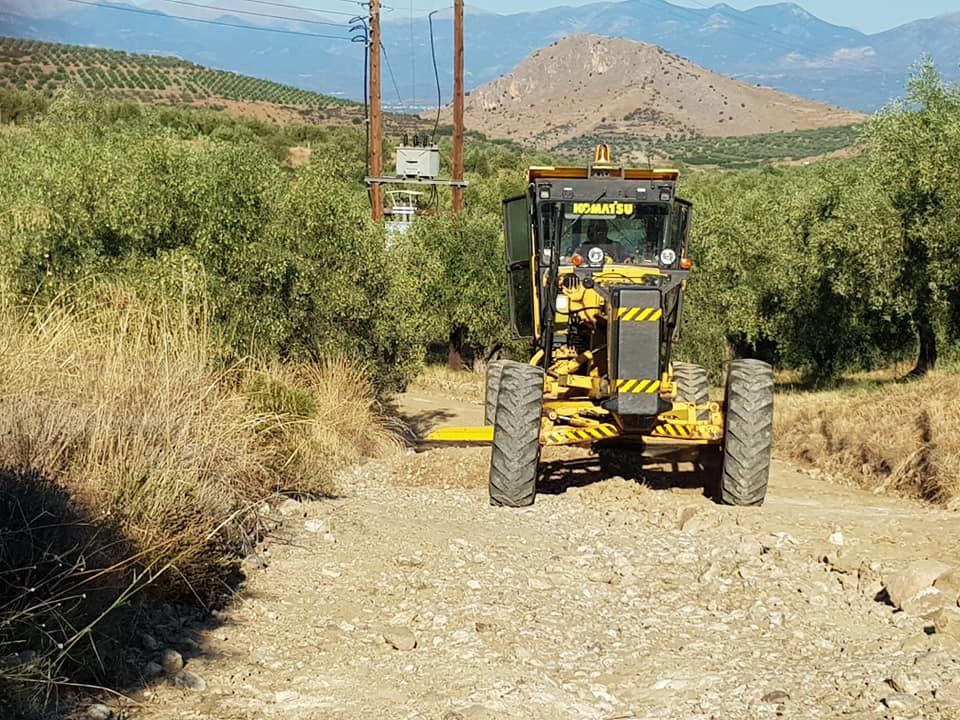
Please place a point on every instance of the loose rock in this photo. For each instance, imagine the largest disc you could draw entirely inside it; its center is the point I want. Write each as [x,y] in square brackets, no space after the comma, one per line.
[99,712]
[947,622]
[171,661]
[400,638]
[472,712]
[775,696]
[924,603]
[186,680]
[949,584]
[903,702]
[289,506]
[917,576]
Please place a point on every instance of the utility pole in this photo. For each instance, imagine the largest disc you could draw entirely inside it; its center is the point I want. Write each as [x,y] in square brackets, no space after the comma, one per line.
[457,104]
[376,140]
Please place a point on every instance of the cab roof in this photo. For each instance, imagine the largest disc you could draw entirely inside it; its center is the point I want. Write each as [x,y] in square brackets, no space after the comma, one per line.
[602,167]
[550,172]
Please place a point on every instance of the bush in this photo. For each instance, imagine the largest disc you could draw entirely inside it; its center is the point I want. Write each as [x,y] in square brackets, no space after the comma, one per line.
[291,263]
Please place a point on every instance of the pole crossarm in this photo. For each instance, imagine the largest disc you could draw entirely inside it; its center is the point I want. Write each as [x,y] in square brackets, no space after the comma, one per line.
[415,181]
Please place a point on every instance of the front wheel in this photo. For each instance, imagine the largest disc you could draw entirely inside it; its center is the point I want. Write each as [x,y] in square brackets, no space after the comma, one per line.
[516,436]
[748,433]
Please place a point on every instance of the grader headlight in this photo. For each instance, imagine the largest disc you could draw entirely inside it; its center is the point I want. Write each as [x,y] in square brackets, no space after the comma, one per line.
[668,256]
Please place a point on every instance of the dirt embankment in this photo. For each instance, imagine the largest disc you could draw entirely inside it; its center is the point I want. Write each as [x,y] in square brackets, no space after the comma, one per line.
[408,596]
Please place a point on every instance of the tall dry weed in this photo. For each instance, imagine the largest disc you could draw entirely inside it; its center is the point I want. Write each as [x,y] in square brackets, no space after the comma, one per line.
[130,455]
[115,401]
[317,418]
[898,437]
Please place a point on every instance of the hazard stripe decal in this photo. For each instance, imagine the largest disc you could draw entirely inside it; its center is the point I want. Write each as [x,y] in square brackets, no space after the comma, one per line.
[637,314]
[636,386]
[678,431]
[569,435]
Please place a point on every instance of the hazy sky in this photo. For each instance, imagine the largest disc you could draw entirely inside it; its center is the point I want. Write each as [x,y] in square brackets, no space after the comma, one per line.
[865,15]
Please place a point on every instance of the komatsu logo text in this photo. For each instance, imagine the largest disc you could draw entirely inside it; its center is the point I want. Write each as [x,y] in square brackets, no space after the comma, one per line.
[608,208]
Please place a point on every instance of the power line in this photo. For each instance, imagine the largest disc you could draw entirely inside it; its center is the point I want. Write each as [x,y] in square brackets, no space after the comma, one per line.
[291,6]
[138,11]
[361,3]
[436,75]
[359,24]
[396,87]
[257,14]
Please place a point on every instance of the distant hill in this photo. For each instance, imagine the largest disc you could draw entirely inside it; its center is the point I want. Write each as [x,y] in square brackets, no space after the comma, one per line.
[586,88]
[163,80]
[780,45]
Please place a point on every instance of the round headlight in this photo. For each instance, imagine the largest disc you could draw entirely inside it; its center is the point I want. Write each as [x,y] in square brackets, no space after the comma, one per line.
[595,255]
[668,256]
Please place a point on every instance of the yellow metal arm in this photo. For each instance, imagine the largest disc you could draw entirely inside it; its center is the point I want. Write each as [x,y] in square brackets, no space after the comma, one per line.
[476,434]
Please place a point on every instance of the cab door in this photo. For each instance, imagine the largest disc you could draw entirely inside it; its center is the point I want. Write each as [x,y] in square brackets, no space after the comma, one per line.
[679,241]
[518,251]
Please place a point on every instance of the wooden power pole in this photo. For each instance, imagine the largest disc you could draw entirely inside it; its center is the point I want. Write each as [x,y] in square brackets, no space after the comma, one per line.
[457,104]
[376,139]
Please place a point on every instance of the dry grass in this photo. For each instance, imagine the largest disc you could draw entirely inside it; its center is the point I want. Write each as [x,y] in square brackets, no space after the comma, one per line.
[317,419]
[897,437]
[129,456]
[117,404]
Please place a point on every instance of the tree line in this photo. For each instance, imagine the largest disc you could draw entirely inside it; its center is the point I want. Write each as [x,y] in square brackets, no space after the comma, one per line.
[840,265]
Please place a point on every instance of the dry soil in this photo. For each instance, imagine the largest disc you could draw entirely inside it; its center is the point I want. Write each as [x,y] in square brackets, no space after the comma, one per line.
[408,596]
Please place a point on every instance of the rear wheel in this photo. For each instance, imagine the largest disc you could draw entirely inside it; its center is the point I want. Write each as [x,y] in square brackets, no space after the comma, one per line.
[494,370]
[516,436]
[748,434]
[693,386]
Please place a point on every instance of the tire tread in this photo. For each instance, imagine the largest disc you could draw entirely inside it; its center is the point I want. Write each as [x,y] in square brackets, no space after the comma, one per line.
[748,433]
[516,436]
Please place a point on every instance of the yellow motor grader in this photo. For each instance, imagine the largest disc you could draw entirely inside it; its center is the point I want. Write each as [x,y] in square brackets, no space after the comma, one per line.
[596,262]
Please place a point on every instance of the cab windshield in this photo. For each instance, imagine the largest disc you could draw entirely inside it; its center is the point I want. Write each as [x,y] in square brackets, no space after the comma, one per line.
[631,233]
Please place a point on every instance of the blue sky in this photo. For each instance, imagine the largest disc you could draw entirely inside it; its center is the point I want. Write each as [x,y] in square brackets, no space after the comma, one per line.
[865,15]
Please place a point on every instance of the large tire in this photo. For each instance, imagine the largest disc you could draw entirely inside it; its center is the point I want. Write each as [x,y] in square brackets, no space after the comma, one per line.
[491,390]
[693,386]
[748,435]
[516,436]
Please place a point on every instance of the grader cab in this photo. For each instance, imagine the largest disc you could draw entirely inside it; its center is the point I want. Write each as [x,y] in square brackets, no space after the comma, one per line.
[596,260]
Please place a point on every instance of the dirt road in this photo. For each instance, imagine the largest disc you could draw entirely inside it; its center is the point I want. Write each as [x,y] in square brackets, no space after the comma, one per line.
[410,597]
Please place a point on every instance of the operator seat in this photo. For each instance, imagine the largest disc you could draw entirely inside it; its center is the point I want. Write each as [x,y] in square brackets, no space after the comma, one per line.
[597,237]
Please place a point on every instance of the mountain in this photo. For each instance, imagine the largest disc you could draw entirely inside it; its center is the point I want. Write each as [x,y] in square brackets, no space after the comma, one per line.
[781,46]
[584,87]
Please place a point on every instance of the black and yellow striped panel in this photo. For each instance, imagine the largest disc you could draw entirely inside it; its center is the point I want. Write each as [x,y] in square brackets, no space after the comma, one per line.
[639,314]
[568,435]
[638,386]
[677,431]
